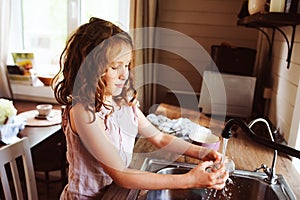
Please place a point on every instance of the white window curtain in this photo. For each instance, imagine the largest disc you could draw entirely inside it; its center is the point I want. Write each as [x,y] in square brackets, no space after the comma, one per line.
[5,12]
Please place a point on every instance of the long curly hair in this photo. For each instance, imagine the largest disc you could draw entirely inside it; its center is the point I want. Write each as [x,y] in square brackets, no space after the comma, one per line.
[83,63]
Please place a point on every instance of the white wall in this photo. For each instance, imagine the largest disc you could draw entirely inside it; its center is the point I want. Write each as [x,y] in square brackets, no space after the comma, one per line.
[285,83]
[294,137]
[285,96]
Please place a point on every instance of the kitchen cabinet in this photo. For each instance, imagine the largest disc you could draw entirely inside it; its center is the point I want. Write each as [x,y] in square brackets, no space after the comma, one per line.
[275,21]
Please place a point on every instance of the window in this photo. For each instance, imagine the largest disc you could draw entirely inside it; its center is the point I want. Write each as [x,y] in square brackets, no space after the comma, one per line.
[42,27]
[116,11]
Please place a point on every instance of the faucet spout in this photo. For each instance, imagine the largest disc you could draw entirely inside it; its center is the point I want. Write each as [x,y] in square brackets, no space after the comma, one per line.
[226,133]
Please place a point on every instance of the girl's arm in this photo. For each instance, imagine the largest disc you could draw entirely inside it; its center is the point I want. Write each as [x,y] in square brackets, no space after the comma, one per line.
[92,135]
[173,143]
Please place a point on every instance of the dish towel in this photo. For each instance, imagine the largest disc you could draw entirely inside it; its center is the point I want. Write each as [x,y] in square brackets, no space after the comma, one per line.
[180,127]
[10,130]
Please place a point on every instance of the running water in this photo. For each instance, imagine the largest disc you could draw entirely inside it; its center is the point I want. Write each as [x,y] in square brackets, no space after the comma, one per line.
[224,194]
[225,141]
[229,166]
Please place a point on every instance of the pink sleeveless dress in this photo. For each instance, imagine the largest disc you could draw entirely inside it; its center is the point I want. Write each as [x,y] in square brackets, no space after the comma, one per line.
[86,178]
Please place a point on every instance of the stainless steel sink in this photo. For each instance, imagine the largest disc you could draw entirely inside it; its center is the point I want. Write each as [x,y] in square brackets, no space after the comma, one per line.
[241,185]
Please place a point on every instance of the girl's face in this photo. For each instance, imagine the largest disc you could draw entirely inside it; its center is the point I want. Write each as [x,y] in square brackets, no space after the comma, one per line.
[118,71]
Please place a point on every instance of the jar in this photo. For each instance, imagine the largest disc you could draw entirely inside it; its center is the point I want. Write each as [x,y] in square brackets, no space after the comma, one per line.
[277,5]
[255,6]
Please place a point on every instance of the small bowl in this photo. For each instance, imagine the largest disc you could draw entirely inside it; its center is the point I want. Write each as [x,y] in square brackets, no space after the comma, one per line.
[46,79]
[205,139]
[44,109]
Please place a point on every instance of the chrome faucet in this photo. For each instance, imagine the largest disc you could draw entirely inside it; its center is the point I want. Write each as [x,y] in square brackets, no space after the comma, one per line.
[270,172]
[272,178]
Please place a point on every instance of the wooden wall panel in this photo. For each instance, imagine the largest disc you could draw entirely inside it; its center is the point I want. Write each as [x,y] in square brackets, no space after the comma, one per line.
[212,6]
[284,83]
[208,36]
[219,31]
[281,116]
[213,22]
[207,23]
[193,17]
[280,70]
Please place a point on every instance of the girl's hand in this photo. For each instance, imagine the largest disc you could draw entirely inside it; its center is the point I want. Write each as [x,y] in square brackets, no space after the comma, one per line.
[210,155]
[216,178]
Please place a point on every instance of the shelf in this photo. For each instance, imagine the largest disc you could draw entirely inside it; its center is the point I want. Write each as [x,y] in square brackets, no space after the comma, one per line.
[273,20]
[269,20]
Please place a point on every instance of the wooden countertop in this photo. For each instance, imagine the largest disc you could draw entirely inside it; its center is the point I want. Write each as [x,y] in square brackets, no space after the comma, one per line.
[246,154]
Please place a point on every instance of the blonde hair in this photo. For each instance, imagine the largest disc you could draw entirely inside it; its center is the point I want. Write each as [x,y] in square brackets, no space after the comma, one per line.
[84,61]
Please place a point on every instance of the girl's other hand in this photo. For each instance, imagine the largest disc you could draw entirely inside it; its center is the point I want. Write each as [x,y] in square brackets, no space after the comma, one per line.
[201,178]
[212,155]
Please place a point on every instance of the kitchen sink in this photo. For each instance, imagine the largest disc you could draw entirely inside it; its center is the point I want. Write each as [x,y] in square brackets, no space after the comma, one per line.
[241,185]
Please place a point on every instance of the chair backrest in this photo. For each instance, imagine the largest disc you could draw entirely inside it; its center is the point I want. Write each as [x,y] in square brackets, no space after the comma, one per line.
[9,155]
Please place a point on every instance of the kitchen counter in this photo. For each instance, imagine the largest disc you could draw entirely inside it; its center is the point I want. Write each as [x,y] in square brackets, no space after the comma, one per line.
[246,154]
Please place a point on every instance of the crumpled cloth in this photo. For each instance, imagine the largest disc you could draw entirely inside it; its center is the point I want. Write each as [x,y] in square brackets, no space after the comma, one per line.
[180,127]
[10,130]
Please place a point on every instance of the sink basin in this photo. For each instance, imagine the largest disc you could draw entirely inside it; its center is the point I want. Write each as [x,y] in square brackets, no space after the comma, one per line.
[241,185]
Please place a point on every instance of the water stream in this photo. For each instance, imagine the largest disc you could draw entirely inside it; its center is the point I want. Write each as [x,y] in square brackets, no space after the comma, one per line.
[225,141]
[211,193]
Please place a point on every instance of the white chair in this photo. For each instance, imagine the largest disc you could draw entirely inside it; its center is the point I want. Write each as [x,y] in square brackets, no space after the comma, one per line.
[8,155]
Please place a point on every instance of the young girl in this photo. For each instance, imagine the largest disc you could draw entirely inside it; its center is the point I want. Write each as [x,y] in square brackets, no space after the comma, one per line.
[102,119]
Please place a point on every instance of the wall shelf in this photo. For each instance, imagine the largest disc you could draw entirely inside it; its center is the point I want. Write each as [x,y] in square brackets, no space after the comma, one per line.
[273,20]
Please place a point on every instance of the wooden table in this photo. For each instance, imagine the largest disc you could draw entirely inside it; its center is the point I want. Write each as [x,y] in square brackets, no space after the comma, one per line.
[246,154]
[39,134]
[35,134]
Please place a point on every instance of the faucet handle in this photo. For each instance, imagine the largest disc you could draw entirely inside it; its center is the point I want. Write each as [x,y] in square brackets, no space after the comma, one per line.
[226,134]
[263,166]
